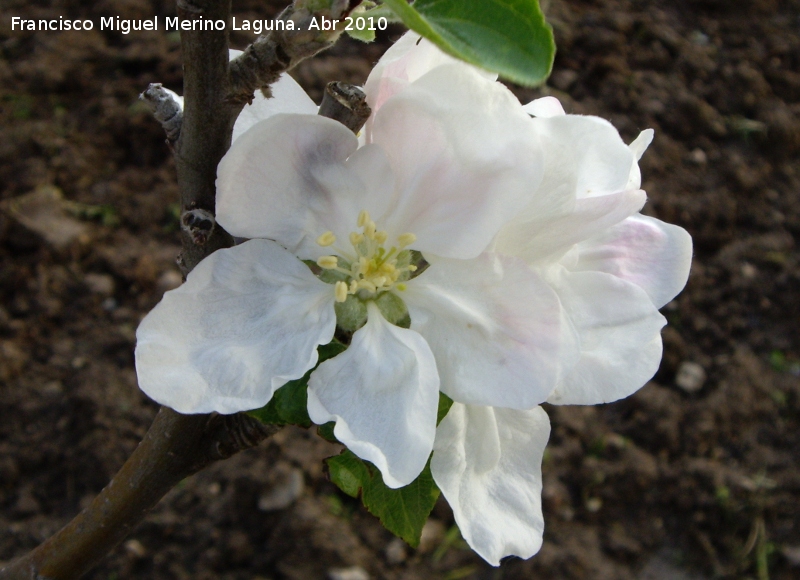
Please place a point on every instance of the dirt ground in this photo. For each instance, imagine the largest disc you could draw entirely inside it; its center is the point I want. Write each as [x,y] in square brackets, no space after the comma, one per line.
[696,476]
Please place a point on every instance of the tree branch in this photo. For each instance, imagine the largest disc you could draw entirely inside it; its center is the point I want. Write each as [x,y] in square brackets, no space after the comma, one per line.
[166,109]
[270,55]
[347,104]
[175,447]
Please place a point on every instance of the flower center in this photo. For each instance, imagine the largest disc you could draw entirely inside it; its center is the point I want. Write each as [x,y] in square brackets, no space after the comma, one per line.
[369,269]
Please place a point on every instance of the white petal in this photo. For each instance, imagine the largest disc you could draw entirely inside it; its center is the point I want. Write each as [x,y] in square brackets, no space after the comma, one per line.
[584,157]
[620,334]
[641,143]
[407,60]
[247,320]
[289,179]
[488,464]
[287,97]
[496,329]
[638,146]
[460,175]
[547,239]
[654,255]
[383,393]
[544,107]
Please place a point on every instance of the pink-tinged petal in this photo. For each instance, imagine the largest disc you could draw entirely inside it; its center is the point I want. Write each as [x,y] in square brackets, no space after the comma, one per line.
[291,178]
[654,255]
[383,393]
[407,60]
[460,175]
[545,240]
[544,108]
[488,464]
[496,328]
[247,320]
[584,158]
[620,338]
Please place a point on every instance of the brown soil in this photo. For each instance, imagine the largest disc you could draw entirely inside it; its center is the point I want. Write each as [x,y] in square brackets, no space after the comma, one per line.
[666,484]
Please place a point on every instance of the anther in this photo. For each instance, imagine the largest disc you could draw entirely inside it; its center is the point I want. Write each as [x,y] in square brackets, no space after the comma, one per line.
[341,291]
[363,218]
[406,239]
[328,262]
[326,239]
[369,229]
[356,238]
[381,237]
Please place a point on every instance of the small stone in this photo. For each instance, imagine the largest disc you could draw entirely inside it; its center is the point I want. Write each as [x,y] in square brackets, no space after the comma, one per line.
[99,283]
[593,504]
[396,552]
[698,157]
[564,79]
[284,493]
[690,377]
[44,212]
[352,573]
[53,388]
[432,535]
[169,280]
[749,271]
[136,548]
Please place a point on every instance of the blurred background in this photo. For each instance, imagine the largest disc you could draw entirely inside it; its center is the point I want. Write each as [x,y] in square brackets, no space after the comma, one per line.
[696,476]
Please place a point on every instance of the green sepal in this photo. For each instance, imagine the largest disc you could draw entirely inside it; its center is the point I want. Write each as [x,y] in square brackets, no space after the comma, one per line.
[509,37]
[289,404]
[393,308]
[445,403]
[402,511]
[350,314]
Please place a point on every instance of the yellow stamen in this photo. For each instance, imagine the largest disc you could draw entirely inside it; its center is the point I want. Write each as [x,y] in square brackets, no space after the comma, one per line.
[341,291]
[328,262]
[371,268]
[406,240]
[326,239]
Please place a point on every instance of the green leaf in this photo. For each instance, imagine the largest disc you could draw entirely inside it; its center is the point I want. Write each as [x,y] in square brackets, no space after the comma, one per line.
[288,405]
[348,472]
[366,35]
[509,37]
[445,403]
[401,511]
[326,432]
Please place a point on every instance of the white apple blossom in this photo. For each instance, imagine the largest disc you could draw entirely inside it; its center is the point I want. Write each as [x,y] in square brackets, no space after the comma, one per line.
[542,282]
[612,269]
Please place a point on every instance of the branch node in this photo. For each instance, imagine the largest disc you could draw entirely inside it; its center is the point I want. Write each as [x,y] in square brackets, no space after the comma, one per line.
[199,224]
[347,104]
[167,108]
